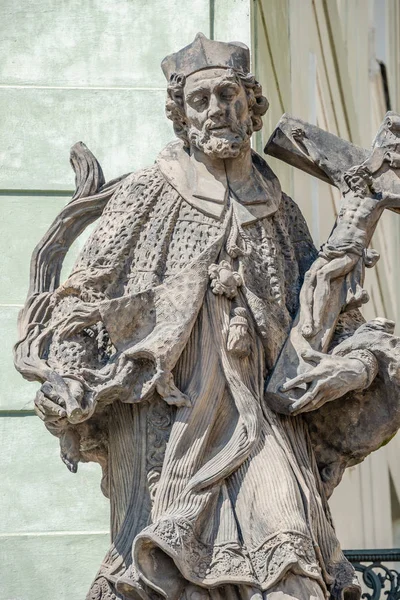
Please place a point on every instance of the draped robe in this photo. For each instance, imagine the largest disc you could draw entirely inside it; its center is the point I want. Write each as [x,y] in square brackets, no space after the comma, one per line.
[211,491]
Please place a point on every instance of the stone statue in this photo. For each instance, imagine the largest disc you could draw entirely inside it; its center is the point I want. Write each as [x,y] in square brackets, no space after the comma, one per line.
[221,398]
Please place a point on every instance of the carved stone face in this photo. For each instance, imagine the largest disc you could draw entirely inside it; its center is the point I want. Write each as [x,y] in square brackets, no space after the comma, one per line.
[217,113]
[358,181]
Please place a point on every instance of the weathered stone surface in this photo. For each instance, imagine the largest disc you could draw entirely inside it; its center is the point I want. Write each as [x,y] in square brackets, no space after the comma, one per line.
[15,251]
[39,470]
[94,44]
[199,287]
[16,393]
[52,564]
[115,115]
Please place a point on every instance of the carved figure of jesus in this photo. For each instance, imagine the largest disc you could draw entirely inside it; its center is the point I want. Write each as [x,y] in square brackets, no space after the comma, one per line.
[155,353]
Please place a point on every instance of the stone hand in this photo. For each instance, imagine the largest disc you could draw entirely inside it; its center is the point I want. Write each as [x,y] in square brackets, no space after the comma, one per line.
[62,398]
[300,137]
[55,418]
[47,408]
[84,315]
[331,377]
[62,405]
[298,133]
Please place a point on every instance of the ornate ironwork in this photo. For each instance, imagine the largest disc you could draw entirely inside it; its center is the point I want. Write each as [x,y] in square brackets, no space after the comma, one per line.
[382,579]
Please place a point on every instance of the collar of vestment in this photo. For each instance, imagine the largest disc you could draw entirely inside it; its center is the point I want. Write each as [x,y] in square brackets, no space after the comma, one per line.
[204,185]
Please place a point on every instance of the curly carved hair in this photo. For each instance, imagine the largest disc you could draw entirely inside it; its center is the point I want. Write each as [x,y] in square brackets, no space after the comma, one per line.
[174,106]
[359,179]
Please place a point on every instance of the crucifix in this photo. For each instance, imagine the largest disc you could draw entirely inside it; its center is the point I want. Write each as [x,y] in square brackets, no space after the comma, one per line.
[369,182]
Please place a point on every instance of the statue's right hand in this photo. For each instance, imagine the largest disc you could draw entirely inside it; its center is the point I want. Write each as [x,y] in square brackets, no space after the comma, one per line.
[47,407]
[62,397]
[55,416]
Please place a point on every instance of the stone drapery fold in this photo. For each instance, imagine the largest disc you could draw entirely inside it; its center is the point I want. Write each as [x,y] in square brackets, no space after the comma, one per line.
[149,248]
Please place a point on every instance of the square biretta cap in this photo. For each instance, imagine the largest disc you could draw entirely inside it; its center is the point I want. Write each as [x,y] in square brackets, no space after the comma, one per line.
[203,53]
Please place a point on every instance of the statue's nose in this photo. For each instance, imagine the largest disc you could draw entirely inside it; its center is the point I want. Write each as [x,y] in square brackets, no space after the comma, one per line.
[214,109]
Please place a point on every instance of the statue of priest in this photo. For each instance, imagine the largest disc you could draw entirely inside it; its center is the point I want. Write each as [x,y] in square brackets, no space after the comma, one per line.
[155,353]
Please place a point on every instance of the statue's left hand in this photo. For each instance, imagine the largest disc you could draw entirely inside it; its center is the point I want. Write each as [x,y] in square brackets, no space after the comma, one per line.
[331,377]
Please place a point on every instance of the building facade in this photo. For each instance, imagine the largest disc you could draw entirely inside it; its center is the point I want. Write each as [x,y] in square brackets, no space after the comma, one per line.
[90,71]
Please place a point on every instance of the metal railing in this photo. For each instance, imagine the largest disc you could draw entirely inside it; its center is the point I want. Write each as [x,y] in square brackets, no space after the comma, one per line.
[382,579]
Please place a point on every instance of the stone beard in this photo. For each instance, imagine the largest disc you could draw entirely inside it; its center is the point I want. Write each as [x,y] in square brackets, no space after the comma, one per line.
[155,353]
[228,140]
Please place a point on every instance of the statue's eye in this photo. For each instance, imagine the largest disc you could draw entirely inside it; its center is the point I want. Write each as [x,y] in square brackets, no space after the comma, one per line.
[200,102]
[228,93]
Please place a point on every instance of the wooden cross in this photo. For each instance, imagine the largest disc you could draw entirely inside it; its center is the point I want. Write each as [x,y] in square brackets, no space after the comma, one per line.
[339,163]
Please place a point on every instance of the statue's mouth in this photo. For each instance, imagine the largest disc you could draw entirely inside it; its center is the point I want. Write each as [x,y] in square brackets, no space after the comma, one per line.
[219,127]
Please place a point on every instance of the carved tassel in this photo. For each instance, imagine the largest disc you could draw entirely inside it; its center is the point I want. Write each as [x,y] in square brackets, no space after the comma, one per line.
[238,336]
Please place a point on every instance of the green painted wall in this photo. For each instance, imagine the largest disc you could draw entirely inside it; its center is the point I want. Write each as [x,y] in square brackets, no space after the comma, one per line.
[70,71]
